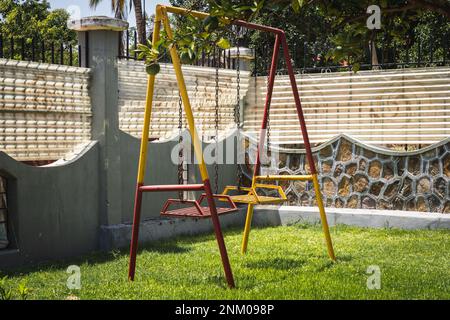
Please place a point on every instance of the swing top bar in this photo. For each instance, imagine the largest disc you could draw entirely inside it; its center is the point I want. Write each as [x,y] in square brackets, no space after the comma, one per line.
[203,15]
[280,34]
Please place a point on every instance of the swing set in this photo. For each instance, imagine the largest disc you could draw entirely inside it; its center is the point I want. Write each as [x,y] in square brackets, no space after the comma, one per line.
[196,208]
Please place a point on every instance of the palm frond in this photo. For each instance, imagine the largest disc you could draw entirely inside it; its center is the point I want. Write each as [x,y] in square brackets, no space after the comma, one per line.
[94,3]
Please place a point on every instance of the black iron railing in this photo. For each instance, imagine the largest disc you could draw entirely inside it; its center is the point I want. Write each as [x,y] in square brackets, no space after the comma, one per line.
[128,44]
[417,53]
[29,49]
[306,58]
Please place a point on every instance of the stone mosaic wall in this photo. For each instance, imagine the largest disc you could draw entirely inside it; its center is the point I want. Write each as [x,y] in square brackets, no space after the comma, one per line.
[355,175]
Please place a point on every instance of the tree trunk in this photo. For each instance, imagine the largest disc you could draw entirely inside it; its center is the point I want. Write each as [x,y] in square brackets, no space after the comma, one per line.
[374,56]
[119,15]
[140,21]
[373,50]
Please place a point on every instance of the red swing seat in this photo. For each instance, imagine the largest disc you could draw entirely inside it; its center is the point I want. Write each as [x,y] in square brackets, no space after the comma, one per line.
[195,209]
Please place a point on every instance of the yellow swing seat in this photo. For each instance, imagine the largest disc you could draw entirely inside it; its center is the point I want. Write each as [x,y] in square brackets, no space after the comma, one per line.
[252,197]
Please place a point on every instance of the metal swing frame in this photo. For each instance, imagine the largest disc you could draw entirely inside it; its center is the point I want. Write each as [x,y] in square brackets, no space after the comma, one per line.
[198,211]
[251,197]
[188,208]
[162,17]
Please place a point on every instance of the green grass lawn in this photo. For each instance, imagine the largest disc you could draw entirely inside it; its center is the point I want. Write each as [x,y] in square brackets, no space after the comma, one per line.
[282,263]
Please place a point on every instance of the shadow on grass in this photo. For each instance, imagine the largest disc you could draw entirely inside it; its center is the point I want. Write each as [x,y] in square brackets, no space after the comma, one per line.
[163,248]
[276,263]
[168,247]
[177,245]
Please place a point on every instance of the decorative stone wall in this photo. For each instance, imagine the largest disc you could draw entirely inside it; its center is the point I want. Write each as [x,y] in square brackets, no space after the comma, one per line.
[355,175]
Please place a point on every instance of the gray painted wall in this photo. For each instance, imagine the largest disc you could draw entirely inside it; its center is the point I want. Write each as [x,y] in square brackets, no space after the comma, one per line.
[160,170]
[53,210]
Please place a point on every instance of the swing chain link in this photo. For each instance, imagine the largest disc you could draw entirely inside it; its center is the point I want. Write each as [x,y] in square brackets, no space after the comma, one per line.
[237,109]
[237,114]
[216,126]
[180,146]
[268,126]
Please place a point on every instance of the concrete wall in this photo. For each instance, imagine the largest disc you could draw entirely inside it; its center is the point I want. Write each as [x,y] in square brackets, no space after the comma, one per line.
[160,170]
[59,210]
[52,210]
[200,82]
[4,239]
[45,109]
[385,108]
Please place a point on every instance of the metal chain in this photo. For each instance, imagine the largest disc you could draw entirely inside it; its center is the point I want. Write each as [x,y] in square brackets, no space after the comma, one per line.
[237,109]
[268,123]
[180,142]
[216,127]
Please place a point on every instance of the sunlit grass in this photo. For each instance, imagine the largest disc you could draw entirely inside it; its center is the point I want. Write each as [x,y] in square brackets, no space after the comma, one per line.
[282,263]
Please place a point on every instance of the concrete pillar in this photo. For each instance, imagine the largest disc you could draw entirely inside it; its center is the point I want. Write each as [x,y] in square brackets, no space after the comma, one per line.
[99,41]
[246,55]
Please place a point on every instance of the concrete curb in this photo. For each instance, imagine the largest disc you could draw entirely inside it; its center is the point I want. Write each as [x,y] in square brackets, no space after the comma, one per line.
[118,236]
[284,215]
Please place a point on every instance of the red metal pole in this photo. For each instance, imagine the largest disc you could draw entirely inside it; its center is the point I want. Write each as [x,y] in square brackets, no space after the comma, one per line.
[259,27]
[273,69]
[298,105]
[219,235]
[135,233]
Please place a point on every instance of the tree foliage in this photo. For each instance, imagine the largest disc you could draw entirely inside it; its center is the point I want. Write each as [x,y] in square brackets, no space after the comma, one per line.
[31,19]
[335,29]
[121,9]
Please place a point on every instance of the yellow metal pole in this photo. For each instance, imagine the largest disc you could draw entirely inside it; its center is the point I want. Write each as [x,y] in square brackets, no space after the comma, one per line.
[248,225]
[183,11]
[148,110]
[197,147]
[323,217]
[248,219]
[184,96]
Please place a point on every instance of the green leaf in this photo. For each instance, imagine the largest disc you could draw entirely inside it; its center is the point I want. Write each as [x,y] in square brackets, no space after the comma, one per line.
[356,67]
[211,23]
[141,55]
[243,8]
[297,5]
[143,48]
[154,52]
[191,53]
[204,35]
[223,43]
